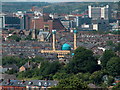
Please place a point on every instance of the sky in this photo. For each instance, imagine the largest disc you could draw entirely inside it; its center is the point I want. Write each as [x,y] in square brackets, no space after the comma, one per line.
[59,0]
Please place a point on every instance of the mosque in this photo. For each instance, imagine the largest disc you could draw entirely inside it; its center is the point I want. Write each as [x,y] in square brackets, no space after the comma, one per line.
[65,49]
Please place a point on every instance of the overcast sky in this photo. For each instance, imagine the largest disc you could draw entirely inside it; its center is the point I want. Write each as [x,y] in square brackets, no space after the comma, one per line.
[59,0]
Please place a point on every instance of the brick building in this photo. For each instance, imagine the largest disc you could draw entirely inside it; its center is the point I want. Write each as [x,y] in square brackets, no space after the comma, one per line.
[42,22]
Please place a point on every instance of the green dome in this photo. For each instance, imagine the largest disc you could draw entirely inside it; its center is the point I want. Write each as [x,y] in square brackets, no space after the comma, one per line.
[75,31]
[66,47]
[73,54]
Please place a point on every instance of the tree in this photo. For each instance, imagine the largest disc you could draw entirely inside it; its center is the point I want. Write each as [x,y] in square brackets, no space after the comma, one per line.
[29,37]
[8,60]
[83,76]
[25,74]
[101,78]
[83,61]
[110,43]
[72,82]
[59,76]
[110,80]
[117,87]
[96,77]
[37,59]
[113,66]
[117,47]
[49,68]
[106,57]
[15,37]
[12,71]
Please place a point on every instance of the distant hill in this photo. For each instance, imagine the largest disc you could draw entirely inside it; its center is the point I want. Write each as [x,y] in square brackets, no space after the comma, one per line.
[22,6]
[63,7]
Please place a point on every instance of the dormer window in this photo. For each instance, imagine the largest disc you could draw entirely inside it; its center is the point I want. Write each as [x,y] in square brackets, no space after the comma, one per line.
[40,83]
[45,84]
[18,82]
[30,83]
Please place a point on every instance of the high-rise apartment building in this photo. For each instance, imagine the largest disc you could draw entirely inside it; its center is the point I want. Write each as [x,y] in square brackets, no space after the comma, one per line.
[99,12]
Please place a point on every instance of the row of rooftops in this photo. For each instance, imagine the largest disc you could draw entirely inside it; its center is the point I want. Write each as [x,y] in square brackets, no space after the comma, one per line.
[21,83]
[83,39]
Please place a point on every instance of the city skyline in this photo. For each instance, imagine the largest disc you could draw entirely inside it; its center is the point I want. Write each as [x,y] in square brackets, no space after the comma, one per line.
[59,44]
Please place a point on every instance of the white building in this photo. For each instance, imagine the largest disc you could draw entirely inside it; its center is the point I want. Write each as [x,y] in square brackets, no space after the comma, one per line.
[99,12]
[2,20]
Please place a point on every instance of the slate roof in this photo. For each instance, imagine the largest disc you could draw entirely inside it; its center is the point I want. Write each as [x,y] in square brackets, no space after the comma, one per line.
[45,34]
[7,76]
[46,18]
[40,83]
[29,65]
[58,25]
[91,85]
[13,66]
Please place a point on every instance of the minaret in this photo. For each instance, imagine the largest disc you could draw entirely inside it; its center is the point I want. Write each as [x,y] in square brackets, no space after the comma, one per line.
[75,39]
[53,32]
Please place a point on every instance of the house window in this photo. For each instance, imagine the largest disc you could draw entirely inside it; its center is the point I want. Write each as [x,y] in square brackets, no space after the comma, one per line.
[30,83]
[45,84]
[40,84]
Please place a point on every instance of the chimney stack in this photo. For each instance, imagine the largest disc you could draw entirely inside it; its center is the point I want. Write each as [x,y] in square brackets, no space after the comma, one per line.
[28,63]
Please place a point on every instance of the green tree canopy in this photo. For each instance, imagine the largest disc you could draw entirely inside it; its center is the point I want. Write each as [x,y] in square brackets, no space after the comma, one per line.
[106,57]
[83,76]
[7,60]
[96,77]
[83,61]
[12,60]
[117,47]
[113,66]
[15,37]
[110,43]
[49,68]
[101,78]
[117,87]
[59,76]
[72,82]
